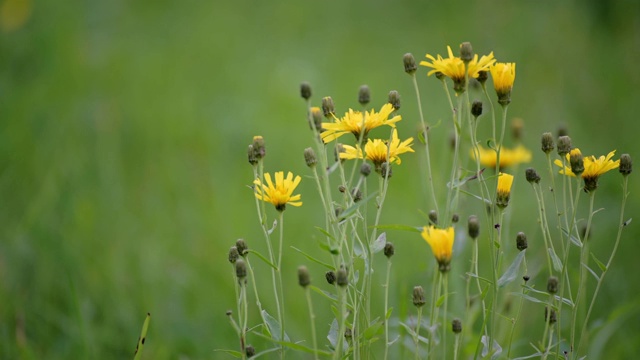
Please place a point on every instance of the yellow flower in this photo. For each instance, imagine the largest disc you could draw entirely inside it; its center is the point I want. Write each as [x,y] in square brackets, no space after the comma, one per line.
[503,74]
[453,67]
[593,168]
[279,194]
[376,150]
[441,242]
[352,122]
[504,190]
[508,157]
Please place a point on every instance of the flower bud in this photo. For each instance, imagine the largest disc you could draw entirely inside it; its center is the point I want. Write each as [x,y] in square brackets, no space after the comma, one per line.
[466,52]
[521,241]
[303,276]
[310,157]
[455,218]
[550,315]
[305,90]
[242,247]
[410,65]
[252,156]
[356,194]
[456,326]
[316,115]
[418,296]
[482,77]
[259,149]
[626,165]
[364,95]
[331,277]
[328,108]
[526,278]
[394,99]
[389,250]
[342,277]
[552,285]
[385,170]
[532,176]
[547,142]
[476,108]
[241,269]
[250,351]
[474,227]
[564,145]
[433,217]
[576,161]
[233,254]
[365,169]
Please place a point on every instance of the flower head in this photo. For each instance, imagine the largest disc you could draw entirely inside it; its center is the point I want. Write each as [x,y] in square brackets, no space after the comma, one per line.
[503,74]
[504,190]
[376,150]
[453,67]
[353,122]
[279,194]
[441,242]
[508,157]
[593,168]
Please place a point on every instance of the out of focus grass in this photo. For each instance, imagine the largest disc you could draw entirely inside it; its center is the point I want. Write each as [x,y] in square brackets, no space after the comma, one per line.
[123,134]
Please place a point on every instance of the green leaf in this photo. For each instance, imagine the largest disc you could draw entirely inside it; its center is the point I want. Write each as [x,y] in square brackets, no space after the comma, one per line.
[400,227]
[142,338]
[557,264]
[573,239]
[295,346]
[379,244]
[602,266]
[262,258]
[388,314]
[265,352]
[325,233]
[479,277]
[486,201]
[312,258]
[274,326]
[440,300]
[497,244]
[235,354]
[491,144]
[352,209]
[512,271]
[527,297]
[326,294]
[373,330]
[592,272]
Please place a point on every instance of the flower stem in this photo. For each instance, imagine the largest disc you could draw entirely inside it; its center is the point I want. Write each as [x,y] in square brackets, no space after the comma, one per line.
[386,310]
[312,318]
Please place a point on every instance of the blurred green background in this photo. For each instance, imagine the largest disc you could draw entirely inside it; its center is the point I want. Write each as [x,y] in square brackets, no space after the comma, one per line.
[123,134]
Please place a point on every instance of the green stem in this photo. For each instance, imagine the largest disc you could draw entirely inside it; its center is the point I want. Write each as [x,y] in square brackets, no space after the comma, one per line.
[386,310]
[515,321]
[444,314]
[416,338]
[312,318]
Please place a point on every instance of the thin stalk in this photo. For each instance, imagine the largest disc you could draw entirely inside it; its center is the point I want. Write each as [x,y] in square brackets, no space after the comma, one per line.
[515,321]
[386,310]
[312,318]
[454,166]
[416,338]
[444,314]
[432,312]
[456,345]
[337,354]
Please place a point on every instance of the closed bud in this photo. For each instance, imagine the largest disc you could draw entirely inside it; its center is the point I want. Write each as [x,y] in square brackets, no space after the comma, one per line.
[316,116]
[550,315]
[365,169]
[328,109]
[364,95]
[576,161]
[626,165]
[310,157]
[233,254]
[241,269]
[242,247]
[439,75]
[526,278]
[389,250]
[394,99]
[356,194]
[342,188]
[418,296]
[466,52]
[433,217]
[348,334]
[252,156]
[564,145]
[532,176]
[305,90]
[259,149]
[482,77]
[303,276]
[552,285]
[331,277]
[476,108]
[250,351]
[521,241]
[386,170]
[456,326]
[474,227]
[342,277]
[547,142]
[410,65]
[455,218]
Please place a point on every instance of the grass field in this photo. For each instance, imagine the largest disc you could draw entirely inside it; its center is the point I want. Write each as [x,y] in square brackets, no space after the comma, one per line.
[123,134]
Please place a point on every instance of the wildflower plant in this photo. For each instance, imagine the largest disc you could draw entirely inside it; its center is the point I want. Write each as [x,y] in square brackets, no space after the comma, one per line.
[482,178]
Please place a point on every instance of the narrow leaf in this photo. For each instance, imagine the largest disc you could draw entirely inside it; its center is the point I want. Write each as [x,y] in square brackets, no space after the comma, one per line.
[400,227]
[573,239]
[592,272]
[345,214]
[262,258]
[294,346]
[388,314]
[557,264]
[512,271]
[312,258]
[235,354]
[326,294]
[274,326]
[602,266]
[143,338]
[325,233]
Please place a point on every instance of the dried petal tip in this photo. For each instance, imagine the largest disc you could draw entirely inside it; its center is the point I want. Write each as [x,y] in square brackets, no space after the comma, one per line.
[305,90]
[303,276]
[331,277]
[242,247]
[532,176]
[394,99]
[310,157]
[456,326]
[552,285]
[389,250]
[476,108]
[418,296]
[626,164]
[466,52]
[433,217]
[410,65]
[474,227]
[521,241]
[328,108]
[547,142]
[564,145]
[364,95]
